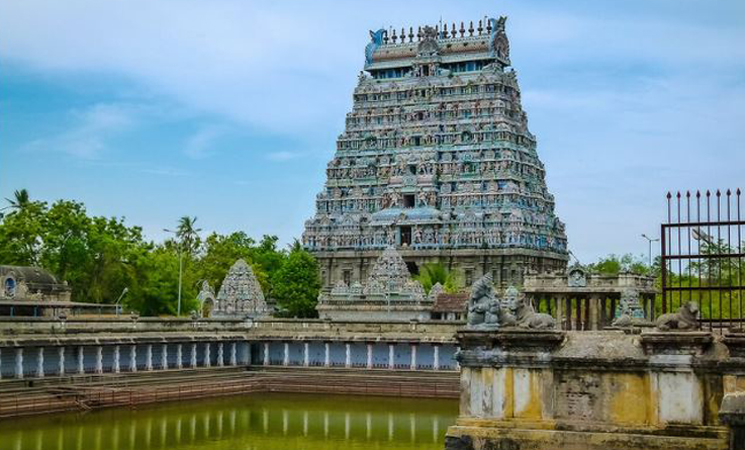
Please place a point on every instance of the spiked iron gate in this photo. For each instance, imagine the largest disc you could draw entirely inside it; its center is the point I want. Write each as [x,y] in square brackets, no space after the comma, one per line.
[701,256]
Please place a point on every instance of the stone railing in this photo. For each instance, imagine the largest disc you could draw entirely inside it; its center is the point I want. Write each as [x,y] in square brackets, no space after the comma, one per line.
[115,324]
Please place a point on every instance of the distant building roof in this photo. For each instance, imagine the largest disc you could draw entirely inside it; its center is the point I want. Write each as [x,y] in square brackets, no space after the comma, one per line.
[451,302]
[20,282]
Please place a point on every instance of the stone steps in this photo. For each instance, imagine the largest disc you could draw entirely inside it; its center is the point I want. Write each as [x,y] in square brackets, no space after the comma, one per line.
[134,389]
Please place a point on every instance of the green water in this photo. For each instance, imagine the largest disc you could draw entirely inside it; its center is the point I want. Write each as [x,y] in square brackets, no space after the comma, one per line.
[256,421]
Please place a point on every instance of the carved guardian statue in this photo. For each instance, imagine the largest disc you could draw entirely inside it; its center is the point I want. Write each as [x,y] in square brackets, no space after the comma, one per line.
[483,307]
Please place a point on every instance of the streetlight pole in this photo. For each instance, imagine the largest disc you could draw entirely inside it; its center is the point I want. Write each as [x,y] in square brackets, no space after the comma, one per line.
[118,306]
[650,240]
[180,270]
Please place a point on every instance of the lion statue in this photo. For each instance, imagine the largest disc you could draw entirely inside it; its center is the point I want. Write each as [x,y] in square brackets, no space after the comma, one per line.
[526,317]
[685,319]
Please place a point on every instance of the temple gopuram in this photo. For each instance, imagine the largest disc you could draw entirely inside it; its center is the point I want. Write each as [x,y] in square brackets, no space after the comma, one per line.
[436,159]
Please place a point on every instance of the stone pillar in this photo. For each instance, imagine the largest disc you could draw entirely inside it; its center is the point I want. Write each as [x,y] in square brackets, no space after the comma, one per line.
[164,357]
[220,355]
[149,357]
[436,362]
[286,354]
[40,363]
[99,359]
[19,363]
[327,354]
[207,356]
[81,365]
[116,359]
[233,354]
[594,312]
[306,354]
[133,358]
[391,356]
[413,356]
[1,363]
[559,311]
[347,355]
[179,356]
[193,356]
[61,361]
[266,353]
[369,355]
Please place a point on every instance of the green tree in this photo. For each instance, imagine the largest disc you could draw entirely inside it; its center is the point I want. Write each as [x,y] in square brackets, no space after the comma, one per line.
[220,252]
[155,291]
[269,258]
[614,264]
[21,235]
[296,285]
[433,273]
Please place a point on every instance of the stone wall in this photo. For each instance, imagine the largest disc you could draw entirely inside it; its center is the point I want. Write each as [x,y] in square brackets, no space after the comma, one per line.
[593,390]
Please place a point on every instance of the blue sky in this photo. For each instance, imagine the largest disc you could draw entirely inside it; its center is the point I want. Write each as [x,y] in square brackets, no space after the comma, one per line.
[229,110]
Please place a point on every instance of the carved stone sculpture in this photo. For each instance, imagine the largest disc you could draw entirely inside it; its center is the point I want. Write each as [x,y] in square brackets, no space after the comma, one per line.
[630,312]
[576,276]
[685,319]
[483,307]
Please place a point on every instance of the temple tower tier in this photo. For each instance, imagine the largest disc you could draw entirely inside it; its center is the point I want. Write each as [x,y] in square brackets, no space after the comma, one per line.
[437,160]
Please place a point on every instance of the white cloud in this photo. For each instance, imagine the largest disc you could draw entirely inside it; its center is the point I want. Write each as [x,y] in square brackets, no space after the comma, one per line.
[627,100]
[91,130]
[273,65]
[281,156]
[201,144]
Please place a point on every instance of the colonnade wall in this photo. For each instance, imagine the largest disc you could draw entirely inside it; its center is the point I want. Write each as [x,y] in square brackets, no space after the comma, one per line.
[42,348]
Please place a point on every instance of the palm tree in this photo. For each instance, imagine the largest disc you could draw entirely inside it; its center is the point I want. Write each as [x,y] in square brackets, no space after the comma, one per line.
[187,233]
[20,200]
[433,273]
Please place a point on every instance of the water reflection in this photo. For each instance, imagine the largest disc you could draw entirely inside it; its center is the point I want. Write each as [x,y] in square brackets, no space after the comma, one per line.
[257,421]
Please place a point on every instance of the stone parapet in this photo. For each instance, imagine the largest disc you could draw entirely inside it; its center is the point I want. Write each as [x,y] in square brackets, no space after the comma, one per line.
[12,333]
[592,390]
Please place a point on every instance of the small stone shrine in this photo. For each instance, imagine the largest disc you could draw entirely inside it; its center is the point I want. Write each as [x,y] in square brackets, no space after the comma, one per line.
[629,311]
[388,294]
[240,294]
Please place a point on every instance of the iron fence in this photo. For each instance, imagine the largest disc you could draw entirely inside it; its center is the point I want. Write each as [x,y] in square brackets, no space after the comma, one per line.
[701,257]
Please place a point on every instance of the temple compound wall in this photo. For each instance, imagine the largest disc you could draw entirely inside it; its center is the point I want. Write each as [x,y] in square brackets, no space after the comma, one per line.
[436,159]
[606,390]
[51,348]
